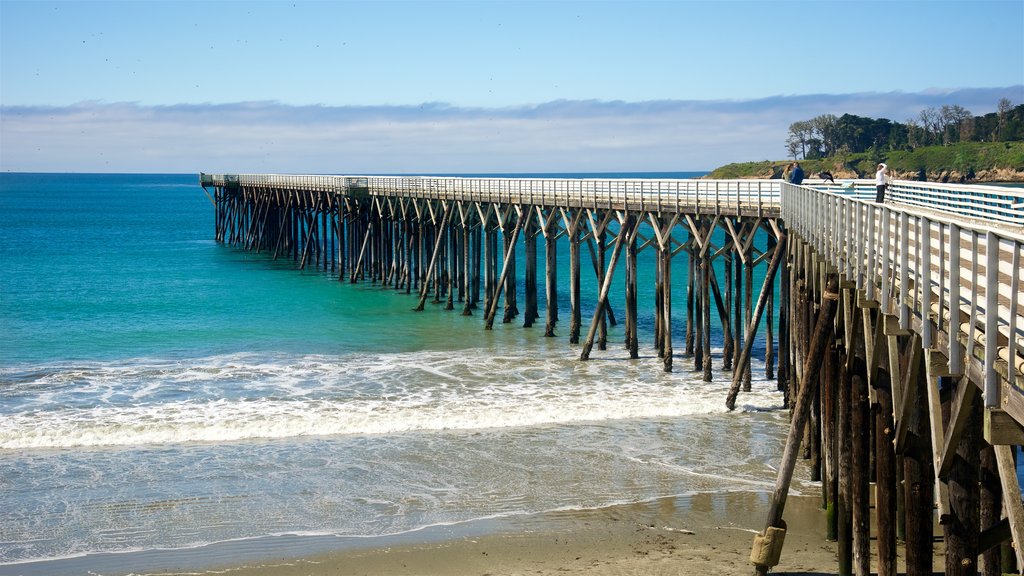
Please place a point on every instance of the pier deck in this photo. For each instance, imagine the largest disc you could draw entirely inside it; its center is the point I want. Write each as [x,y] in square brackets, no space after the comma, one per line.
[900,326]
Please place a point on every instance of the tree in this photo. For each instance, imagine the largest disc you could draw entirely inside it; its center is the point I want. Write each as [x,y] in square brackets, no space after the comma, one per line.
[799,133]
[824,128]
[1002,111]
[949,119]
[931,124]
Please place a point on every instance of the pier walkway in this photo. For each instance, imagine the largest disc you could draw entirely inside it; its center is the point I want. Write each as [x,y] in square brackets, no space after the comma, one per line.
[897,330]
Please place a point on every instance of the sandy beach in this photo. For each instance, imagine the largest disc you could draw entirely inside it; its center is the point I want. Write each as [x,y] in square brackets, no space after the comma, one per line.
[702,534]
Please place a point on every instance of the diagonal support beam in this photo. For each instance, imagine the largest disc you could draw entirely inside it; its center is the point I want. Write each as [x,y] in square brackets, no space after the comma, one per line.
[602,299]
[748,340]
[433,259]
[510,253]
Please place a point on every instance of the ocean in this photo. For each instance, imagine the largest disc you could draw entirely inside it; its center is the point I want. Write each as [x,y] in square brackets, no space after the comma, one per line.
[164,397]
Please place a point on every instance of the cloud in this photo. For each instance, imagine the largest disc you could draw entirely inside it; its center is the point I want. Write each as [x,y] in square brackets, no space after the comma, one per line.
[434,137]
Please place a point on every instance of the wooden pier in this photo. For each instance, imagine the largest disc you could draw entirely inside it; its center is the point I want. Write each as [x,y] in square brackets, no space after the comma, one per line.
[899,333]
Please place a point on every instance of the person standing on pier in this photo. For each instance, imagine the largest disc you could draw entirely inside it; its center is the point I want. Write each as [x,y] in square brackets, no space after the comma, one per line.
[797,175]
[881,183]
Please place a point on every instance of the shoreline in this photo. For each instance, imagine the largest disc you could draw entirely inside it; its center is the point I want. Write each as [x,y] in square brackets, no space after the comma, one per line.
[696,534]
[703,533]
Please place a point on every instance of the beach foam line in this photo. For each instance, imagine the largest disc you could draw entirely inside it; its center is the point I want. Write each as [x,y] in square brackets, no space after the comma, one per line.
[240,398]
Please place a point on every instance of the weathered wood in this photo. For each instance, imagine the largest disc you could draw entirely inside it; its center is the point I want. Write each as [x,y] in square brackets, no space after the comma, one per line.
[962,528]
[739,373]
[573,231]
[632,342]
[730,338]
[844,460]
[990,512]
[433,259]
[551,281]
[918,477]
[1011,498]
[705,306]
[503,278]
[830,433]
[602,299]
[769,336]
[530,277]
[859,481]
[785,475]
[1000,429]
[960,412]
[885,476]
[666,305]
[690,331]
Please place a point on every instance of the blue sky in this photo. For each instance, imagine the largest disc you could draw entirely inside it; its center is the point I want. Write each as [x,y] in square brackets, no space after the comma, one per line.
[482,86]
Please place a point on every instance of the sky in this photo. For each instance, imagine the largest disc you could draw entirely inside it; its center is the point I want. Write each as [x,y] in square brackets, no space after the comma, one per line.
[475,86]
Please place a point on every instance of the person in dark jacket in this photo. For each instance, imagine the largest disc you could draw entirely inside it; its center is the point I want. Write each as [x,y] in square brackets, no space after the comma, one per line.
[797,175]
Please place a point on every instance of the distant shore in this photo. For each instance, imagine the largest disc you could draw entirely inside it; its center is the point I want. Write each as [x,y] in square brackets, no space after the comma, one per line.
[967,162]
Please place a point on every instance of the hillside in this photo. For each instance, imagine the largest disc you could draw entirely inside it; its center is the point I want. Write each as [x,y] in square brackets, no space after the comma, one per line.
[963,162]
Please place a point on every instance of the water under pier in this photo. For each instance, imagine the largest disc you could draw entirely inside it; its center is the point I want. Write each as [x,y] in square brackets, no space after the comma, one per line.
[896,330]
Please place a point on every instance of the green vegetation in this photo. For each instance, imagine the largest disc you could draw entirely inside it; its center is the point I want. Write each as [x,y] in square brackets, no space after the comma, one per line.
[946,144]
[963,161]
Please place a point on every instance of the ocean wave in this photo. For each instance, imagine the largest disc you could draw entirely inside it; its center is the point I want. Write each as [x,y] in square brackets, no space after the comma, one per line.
[243,397]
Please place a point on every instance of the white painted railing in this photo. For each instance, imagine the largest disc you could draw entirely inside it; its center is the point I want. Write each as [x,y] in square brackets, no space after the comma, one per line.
[944,272]
[990,203]
[1000,204]
[655,195]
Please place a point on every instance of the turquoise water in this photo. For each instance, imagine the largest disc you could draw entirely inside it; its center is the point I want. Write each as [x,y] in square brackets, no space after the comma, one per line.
[161,391]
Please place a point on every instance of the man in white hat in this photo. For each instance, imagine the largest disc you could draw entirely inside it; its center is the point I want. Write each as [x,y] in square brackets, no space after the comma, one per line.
[881,183]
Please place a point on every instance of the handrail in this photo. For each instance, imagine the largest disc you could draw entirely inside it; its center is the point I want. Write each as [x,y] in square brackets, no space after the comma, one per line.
[946,273]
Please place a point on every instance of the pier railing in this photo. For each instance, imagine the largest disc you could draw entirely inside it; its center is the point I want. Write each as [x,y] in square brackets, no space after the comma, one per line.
[1000,204]
[748,197]
[937,274]
[751,197]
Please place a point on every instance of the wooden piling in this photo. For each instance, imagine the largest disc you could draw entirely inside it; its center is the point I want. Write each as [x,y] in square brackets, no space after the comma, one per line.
[785,475]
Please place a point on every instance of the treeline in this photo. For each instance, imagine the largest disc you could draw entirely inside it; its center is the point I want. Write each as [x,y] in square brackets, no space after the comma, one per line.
[828,135]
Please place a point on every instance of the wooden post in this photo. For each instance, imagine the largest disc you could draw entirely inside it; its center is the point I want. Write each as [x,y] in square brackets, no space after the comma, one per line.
[860,480]
[822,335]
[505,267]
[961,531]
[761,302]
[530,278]
[695,307]
[830,431]
[737,319]
[508,274]
[723,311]
[844,462]
[991,506]
[602,328]
[602,299]
[918,476]
[467,271]
[433,259]
[705,304]
[730,337]
[666,303]
[769,336]
[574,279]
[632,343]
[551,276]
[885,475]
[748,340]
[689,334]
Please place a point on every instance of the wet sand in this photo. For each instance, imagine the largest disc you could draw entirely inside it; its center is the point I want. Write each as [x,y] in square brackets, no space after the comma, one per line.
[703,534]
